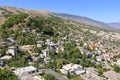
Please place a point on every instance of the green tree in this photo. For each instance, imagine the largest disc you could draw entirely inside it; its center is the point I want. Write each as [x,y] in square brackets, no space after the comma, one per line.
[68,75]
[59,63]
[100,71]
[48,31]
[37,49]
[14,19]
[116,68]
[7,75]
[76,78]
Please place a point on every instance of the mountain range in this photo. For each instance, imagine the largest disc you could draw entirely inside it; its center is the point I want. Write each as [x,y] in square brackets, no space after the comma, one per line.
[114,25]
[4,10]
[88,21]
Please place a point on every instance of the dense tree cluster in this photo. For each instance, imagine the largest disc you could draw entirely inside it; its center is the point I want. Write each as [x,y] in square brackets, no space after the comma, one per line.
[45,25]
[7,75]
[6,27]
[116,68]
[14,19]
[25,38]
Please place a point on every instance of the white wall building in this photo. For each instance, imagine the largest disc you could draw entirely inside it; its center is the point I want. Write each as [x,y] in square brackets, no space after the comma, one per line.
[118,62]
[29,69]
[11,39]
[6,57]
[12,50]
[73,69]
[40,43]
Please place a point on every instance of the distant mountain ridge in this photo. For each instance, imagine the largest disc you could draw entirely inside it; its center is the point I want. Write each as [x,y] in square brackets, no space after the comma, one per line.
[88,21]
[79,19]
[115,25]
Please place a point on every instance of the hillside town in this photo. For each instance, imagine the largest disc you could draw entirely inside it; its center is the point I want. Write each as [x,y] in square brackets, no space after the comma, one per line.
[43,45]
[103,60]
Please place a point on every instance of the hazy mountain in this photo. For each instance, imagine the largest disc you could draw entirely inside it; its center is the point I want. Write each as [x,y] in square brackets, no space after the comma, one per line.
[82,20]
[87,21]
[114,25]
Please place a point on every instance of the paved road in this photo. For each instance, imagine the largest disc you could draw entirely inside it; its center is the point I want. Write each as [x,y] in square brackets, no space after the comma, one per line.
[55,74]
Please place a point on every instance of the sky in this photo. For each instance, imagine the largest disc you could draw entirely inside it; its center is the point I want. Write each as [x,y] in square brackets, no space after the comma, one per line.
[103,10]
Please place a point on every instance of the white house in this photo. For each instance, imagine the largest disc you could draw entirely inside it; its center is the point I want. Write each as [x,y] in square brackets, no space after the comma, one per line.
[26,30]
[48,41]
[12,50]
[40,43]
[73,69]
[99,58]
[26,47]
[11,39]
[38,34]
[118,62]
[6,57]
[46,60]
[46,52]
[29,69]
[59,48]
